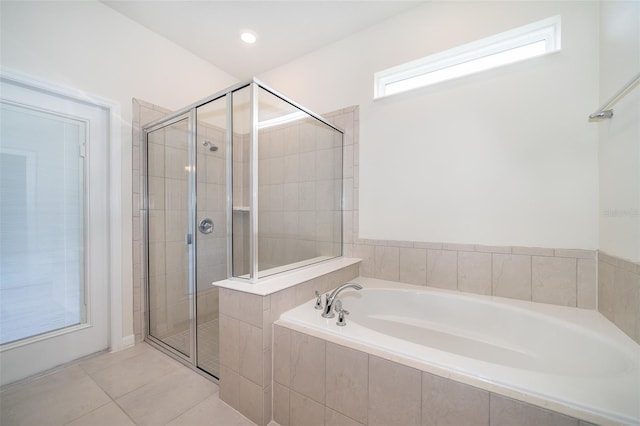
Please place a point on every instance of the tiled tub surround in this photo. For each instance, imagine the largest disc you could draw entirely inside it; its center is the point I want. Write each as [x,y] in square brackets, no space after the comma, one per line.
[619,293]
[246,331]
[365,373]
[356,388]
[557,276]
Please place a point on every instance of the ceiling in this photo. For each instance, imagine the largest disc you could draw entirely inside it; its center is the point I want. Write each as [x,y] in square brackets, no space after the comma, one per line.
[286,30]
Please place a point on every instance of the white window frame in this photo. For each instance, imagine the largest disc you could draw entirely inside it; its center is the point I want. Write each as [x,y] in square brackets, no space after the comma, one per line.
[415,74]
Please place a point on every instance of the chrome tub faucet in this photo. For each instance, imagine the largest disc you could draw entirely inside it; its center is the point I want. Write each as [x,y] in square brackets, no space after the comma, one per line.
[328,308]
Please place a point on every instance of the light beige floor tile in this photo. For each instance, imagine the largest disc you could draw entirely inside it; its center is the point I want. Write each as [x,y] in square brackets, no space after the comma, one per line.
[167,397]
[107,415]
[54,399]
[134,372]
[333,418]
[211,411]
[99,362]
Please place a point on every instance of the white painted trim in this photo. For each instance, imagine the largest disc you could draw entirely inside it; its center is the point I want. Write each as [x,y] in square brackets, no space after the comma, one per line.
[127,341]
[116,276]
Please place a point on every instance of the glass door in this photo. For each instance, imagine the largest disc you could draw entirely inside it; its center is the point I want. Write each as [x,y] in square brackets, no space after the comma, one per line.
[169,236]
[186,204]
[53,230]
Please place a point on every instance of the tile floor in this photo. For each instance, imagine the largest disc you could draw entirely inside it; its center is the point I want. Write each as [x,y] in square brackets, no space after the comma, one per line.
[136,386]
[208,342]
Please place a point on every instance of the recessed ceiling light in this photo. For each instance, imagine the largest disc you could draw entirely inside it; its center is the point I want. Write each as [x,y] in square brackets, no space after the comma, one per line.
[248,37]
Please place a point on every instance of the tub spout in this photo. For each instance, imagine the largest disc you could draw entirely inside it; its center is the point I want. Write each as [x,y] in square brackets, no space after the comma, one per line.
[328,309]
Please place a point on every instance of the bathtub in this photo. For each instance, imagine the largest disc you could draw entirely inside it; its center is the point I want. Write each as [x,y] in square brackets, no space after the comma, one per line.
[569,360]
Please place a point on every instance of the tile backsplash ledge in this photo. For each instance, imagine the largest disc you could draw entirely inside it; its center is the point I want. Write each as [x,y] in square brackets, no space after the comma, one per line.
[565,277]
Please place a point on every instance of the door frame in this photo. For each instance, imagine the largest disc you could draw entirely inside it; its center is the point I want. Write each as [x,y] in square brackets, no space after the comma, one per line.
[119,272]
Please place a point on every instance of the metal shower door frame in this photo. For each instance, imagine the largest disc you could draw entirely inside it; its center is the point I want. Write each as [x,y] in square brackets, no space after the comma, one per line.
[189,237]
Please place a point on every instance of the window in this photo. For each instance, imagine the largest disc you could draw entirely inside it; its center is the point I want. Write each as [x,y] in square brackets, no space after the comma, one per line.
[515,45]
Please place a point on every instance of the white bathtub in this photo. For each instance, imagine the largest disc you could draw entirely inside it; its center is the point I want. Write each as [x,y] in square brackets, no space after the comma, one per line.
[568,360]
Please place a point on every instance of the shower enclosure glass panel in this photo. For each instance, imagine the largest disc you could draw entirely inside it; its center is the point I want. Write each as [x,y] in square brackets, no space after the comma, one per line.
[169,288]
[211,221]
[299,187]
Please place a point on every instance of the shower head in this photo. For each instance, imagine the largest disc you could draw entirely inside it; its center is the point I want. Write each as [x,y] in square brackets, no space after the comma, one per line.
[211,146]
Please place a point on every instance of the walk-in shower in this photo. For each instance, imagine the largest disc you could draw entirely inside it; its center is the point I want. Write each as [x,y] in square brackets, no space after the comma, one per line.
[242,185]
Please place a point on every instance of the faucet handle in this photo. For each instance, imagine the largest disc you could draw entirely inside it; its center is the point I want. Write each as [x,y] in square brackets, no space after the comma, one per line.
[341,313]
[318,301]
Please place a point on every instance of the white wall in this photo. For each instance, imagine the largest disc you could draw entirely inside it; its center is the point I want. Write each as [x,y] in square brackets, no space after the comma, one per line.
[88,46]
[505,157]
[620,136]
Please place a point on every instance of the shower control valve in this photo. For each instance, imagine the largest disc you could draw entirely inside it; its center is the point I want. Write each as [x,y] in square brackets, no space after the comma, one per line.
[205,226]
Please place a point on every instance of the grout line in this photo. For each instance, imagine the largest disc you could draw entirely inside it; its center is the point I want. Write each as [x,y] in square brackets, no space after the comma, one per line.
[422,373]
[457,270]
[531,281]
[577,284]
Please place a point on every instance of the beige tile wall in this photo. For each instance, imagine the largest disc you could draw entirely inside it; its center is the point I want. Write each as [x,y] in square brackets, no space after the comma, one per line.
[619,293]
[246,342]
[316,382]
[556,276]
[299,187]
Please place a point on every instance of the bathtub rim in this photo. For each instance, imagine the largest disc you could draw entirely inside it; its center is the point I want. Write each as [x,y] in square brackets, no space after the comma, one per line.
[595,322]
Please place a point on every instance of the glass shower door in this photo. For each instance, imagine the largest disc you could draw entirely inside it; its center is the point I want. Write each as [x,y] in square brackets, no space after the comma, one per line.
[170,288]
